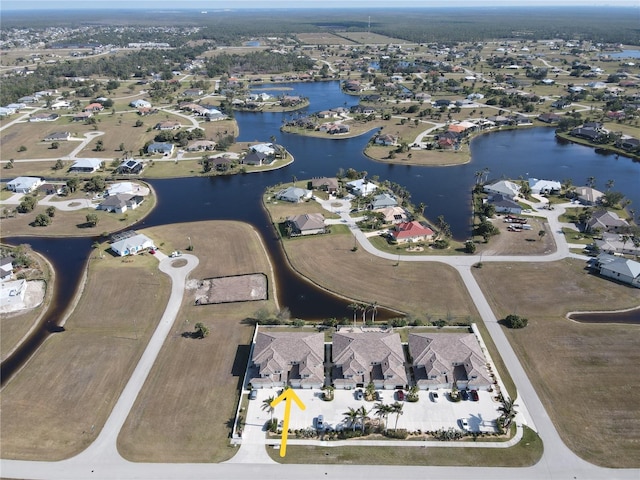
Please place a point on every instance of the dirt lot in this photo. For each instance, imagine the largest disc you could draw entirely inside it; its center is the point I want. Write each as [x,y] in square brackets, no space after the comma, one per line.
[580,371]
[55,407]
[522,242]
[237,288]
[184,409]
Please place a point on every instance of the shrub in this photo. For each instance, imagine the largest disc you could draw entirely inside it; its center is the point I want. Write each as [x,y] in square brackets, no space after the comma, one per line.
[516,321]
[42,220]
[400,433]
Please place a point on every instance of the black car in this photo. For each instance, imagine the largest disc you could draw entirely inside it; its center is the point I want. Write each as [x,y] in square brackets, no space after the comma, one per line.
[464,394]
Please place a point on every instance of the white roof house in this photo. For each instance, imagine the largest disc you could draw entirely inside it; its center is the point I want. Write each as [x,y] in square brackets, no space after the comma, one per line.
[131,245]
[293,194]
[621,269]
[121,187]
[544,186]
[504,188]
[86,165]
[140,104]
[24,184]
[361,187]
[266,148]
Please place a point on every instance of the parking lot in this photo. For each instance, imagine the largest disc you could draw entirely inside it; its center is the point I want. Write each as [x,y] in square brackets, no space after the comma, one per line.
[424,415]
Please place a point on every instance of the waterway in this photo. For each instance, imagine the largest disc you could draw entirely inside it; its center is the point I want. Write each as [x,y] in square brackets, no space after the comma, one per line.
[626,317]
[445,190]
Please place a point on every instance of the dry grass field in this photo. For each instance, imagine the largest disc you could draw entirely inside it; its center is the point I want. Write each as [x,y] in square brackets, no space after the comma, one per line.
[73,223]
[184,409]
[322,38]
[56,406]
[582,372]
[372,38]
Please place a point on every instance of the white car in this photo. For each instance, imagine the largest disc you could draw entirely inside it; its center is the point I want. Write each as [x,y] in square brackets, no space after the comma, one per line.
[434,396]
[175,254]
[464,424]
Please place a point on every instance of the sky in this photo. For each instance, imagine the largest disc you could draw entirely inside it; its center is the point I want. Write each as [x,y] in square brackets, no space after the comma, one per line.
[270,4]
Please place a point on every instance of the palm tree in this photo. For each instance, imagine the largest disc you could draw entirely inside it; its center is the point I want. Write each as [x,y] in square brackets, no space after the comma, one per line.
[397,408]
[355,307]
[363,308]
[363,414]
[374,308]
[266,406]
[478,176]
[508,412]
[610,184]
[352,417]
[591,182]
[382,411]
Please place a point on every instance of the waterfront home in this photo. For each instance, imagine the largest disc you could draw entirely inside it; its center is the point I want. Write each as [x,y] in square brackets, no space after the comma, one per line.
[131,245]
[503,187]
[504,204]
[393,215]
[280,359]
[24,184]
[442,360]
[121,202]
[293,194]
[382,200]
[607,221]
[361,187]
[542,187]
[361,357]
[589,196]
[413,231]
[306,224]
[326,184]
[617,243]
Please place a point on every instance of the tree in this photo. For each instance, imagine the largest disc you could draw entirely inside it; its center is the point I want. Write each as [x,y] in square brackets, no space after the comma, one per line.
[99,146]
[382,411]
[355,308]
[266,406]
[591,182]
[95,184]
[201,330]
[27,204]
[92,219]
[9,164]
[42,220]
[22,148]
[516,321]
[363,414]
[139,123]
[508,412]
[72,184]
[55,145]
[541,234]
[59,165]
[469,246]
[352,417]
[374,309]
[397,408]
[611,198]
[51,211]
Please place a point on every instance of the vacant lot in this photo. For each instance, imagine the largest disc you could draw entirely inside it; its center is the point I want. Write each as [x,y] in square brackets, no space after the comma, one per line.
[580,371]
[188,402]
[322,38]
[56,406]
[522,242]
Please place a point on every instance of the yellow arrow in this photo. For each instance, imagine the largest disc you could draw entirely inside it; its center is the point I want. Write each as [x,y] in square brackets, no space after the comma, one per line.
[287,395]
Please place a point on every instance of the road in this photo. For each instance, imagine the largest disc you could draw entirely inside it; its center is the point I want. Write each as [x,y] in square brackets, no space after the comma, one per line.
[102,461]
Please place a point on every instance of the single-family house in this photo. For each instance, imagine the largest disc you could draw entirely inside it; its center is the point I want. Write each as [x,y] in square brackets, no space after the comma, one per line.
[412,231]
[268,149]
[131,245]
[86,165]
[363,356]
[618,268]
[382,200]
[82,116]
[587,133]
[130,166]
[361,187]
[58,137]
[44,117]
[193,92]
[306,224]
[201,145]
[617,243]
[293,194]
[120,202]
[549,117]
[589,196]
[505,188]
[607,221]
[60,104]
[164,148]
[140,104]
[628,143]
[6,268]
[122,188]
[51,188]
[543,187]
[167,125]
[442,360]
[24,184]
[294,359]
[256,158]
[393,215]
[504,204]
[94,107]
[386,139]
[326,184]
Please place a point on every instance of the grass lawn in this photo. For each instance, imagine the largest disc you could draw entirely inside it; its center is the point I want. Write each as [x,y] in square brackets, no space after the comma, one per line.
[72,223]
[567,360]
[56,406]
[184,411]
[526,453]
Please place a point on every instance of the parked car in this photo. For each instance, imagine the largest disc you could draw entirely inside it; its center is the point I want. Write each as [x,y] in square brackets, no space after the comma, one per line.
[434,396]
[464,424]
[176,253]
[464,394]
[152,250]
[400,395]
[320,422]
[359,394]
[474,395]
[377,396]
[253,395]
